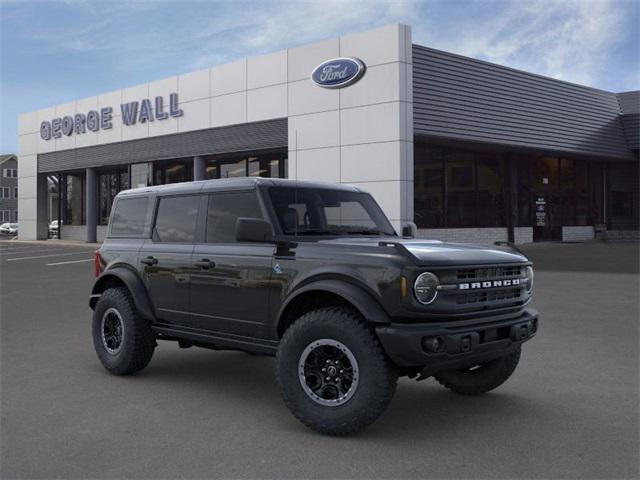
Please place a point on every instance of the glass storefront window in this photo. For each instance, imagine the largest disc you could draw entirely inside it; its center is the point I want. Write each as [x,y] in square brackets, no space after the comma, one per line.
[109,185]
[429,187]
[491,199]
[233,168]
[523,181]
[172,171]
[268,165]
[623,198]
[457,189]
[596,190]
[460,188]
[73,192]
[581,172]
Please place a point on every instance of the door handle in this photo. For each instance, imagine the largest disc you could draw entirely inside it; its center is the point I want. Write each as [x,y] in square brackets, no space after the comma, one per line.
[204,263]
[149,261]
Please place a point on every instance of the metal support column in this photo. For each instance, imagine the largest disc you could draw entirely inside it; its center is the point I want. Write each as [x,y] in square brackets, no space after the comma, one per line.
[91,205]
[199,168]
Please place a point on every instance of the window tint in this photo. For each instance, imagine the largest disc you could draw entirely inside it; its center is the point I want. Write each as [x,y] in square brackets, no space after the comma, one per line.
[323,211]
[129,216]
[224,210]
[176,219]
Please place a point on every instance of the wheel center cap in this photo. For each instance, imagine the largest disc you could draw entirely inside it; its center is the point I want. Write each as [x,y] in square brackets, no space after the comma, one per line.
[331,371]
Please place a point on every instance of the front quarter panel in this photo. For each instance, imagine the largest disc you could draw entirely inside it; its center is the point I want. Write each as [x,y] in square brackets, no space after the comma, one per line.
[375,272]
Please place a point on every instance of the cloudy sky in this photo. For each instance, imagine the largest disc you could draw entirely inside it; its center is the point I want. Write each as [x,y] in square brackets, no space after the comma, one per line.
[57,51]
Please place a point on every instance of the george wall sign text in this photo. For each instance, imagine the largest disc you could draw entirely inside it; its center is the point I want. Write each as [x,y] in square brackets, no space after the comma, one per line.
[339,72]
[94,120]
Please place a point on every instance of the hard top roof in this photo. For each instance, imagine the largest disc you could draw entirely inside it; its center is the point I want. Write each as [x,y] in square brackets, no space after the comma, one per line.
[240,183]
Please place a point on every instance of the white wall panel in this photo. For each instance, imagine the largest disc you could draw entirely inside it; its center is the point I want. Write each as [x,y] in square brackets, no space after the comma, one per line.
[321,164]
[27,166]
[28,123]
[28,144]
[266,103]
[91,103]
[229,78]
[163,127]
[372,162]
[303,59]
[229,109]
[131,132]
[267,70]
[194,85]
[87,139]
[380,84]
[111,99]
[131,94]
[315,130]
[162,88]
[113,134]
[197,115]
[370,124]
[306,97]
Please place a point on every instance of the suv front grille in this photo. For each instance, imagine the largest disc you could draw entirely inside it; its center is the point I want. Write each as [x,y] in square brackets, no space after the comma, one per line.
[481,289]
[485,297]
[492,272]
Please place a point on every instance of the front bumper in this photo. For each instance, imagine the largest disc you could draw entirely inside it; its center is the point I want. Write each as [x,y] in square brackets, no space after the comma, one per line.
[458,344]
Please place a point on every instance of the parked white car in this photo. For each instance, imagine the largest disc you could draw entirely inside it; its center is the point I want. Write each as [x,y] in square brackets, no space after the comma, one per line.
[9,228]
[54,229]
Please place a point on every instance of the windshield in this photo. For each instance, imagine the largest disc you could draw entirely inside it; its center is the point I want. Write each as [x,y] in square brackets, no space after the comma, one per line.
[324,211]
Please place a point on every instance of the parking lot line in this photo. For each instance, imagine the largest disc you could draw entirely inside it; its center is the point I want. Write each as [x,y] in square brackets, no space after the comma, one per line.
[23,247]
[44,256]
[70,261]
[32,250]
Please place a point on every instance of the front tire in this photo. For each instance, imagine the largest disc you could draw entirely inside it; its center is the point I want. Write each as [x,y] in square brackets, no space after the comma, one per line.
[482,378]
[123,340]
[332,372]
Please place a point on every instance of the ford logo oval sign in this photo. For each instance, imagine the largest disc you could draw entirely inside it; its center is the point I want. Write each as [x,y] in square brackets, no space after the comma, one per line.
[338,73]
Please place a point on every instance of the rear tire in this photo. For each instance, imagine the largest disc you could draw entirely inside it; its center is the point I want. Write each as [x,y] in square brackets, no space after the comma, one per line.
[480,379]
[123,340]
[362,379]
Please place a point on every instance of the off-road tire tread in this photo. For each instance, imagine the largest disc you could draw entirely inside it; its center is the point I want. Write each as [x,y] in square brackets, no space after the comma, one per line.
[343,318]
[138,334]
[483,380]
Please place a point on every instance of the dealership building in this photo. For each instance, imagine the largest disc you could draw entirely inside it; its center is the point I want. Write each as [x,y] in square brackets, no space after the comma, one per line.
[467,150]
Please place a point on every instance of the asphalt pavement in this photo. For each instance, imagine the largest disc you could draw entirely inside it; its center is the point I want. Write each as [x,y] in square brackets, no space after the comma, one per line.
[569,411]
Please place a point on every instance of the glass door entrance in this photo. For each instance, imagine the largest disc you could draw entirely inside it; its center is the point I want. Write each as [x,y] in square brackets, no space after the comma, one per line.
[546,201]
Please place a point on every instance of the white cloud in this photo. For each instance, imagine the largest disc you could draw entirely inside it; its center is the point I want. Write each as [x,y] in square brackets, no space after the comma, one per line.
[270,26]
[569,40]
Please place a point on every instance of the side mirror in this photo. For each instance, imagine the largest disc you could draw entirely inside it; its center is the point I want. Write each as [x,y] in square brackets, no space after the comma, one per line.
[410,230]
[254,230]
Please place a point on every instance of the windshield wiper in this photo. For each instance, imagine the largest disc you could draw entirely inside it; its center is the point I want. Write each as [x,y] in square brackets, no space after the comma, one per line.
[314,232]
[365,232]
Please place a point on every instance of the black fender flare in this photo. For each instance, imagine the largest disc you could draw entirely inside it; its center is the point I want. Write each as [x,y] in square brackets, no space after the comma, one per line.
[363,301]
[132,281]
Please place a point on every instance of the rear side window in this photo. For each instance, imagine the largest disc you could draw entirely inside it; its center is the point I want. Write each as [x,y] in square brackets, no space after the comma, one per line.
[129,217]
[176,219]
[224,210]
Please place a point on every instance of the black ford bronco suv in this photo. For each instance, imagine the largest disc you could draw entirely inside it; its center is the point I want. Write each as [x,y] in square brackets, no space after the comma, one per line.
[314,274]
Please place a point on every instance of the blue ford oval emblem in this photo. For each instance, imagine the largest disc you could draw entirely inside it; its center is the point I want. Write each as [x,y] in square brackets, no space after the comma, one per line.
[338,72]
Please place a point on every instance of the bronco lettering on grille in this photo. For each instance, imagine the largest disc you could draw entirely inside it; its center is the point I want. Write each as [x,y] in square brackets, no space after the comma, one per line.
[489,284]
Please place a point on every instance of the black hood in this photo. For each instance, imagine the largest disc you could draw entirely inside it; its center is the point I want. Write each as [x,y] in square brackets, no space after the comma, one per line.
[436,253]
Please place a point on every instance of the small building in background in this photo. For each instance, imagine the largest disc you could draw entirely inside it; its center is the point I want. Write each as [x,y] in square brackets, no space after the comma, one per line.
[9,188]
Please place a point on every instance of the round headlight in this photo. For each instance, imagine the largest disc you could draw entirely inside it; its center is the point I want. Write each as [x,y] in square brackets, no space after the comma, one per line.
[425,288]
[529,273]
